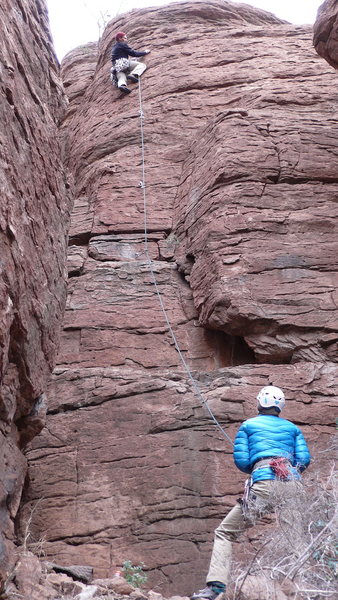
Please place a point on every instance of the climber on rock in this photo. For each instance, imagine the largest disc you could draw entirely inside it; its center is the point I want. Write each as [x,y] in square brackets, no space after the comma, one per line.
[268,448]
[123,68]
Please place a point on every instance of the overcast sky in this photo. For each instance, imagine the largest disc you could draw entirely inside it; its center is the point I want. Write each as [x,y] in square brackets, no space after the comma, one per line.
[76,22]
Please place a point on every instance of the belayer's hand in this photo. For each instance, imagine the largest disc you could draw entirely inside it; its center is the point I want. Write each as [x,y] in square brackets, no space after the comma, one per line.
[147,51]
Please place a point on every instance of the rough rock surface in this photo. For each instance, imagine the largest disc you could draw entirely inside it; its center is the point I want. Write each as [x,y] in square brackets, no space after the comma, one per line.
[129,465]
[325,33]
[241,190]
[248,217]
[33,226]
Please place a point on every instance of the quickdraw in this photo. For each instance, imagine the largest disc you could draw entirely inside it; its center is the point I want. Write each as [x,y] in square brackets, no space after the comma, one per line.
[246,500]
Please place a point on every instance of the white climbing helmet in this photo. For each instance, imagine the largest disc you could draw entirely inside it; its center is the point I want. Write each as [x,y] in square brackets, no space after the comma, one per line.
[271,396]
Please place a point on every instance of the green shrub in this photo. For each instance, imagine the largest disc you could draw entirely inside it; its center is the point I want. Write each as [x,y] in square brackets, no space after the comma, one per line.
[134,574]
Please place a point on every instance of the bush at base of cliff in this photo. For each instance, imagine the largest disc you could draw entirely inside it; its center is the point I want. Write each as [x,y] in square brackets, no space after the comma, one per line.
[299,558]
[134,574]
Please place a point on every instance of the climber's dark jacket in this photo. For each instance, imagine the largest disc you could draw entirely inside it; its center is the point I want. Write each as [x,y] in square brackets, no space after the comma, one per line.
[269,436]
[122,50]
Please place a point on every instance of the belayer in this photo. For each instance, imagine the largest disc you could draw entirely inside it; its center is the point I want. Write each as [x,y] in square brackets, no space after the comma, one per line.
[269,448]
[123,68]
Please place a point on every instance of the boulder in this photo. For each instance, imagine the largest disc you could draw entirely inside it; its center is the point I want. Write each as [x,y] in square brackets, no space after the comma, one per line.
[77,572]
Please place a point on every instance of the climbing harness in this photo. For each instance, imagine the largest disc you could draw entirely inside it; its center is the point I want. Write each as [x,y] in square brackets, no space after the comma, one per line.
[142,185]
[121,64]
[280,465]
[283,470]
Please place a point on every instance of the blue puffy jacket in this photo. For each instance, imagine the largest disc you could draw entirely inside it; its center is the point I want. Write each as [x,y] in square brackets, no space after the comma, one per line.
[267,436]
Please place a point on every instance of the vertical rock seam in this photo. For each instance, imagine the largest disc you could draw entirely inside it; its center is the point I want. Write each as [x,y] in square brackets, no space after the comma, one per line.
[34,215]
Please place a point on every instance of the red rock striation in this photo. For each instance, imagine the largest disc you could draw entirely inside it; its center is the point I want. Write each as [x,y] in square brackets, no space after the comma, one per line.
[241,186]
[33,226]
[325,33]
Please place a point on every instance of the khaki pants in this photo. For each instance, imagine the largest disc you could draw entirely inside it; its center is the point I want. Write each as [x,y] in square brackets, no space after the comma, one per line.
[135,68]
[234,524]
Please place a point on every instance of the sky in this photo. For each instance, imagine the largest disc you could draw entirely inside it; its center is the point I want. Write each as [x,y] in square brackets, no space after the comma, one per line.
[76,22]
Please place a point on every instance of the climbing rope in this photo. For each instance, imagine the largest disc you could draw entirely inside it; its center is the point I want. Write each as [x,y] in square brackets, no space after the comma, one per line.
[142,184]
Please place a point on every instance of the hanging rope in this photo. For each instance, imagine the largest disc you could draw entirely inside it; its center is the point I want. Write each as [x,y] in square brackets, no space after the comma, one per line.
[194,383]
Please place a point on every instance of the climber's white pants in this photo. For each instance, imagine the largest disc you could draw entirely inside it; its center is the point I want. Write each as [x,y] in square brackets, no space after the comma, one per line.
[135,68]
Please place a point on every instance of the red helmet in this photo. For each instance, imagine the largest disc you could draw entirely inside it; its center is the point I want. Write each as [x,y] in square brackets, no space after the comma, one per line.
[119,35]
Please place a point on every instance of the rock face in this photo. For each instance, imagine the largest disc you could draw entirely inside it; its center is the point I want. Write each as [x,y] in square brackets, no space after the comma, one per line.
[325,35]
[33,226]
[241,194]
[248,217]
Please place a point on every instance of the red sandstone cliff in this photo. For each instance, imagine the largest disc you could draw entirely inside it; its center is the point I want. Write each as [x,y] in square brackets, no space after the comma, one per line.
[33,227]
[241,176]
[325,33]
